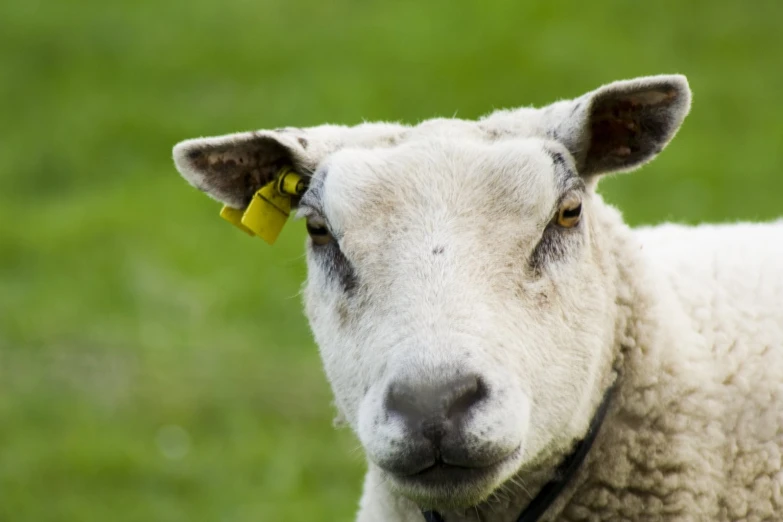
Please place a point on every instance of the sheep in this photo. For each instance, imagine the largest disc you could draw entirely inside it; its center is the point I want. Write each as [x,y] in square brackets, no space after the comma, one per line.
[484,317]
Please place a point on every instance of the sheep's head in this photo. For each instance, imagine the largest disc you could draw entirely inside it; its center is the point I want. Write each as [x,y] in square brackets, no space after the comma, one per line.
[460,283]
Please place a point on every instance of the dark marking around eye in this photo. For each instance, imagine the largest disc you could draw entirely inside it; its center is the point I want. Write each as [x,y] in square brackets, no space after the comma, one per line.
[328,255]
[348,279]
[337,267]
[555,244]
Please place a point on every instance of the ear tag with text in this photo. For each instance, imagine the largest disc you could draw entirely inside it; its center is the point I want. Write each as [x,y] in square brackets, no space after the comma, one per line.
[270,207]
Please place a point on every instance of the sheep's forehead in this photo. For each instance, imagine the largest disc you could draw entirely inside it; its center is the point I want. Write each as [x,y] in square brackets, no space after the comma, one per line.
[430,181]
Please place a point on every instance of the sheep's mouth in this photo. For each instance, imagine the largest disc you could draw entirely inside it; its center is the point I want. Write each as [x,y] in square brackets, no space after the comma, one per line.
[443,485]
[442,473]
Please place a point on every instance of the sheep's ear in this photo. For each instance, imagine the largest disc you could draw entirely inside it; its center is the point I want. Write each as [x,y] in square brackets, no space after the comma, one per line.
[620,126]
[232,168]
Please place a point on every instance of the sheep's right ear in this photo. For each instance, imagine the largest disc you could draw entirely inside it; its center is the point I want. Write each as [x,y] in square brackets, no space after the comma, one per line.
[232,168]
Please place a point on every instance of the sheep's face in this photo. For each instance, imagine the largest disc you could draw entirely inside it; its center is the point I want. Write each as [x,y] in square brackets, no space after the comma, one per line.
[460,276]
[460,305]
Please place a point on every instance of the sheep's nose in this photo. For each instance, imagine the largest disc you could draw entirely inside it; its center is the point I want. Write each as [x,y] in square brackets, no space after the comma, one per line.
[433,410]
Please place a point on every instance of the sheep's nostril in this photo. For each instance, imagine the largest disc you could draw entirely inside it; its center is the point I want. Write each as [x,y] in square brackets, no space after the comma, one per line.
[431,410]
[465,396]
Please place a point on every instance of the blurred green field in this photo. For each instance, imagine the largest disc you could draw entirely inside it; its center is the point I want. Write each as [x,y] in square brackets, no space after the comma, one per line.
[154,362]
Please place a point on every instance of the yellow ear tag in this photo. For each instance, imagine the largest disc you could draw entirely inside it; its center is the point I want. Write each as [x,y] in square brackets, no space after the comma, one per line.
[270,207]
[234,216]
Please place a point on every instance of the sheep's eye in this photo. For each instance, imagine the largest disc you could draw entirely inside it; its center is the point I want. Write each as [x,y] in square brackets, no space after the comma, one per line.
[569,213]
[319,232]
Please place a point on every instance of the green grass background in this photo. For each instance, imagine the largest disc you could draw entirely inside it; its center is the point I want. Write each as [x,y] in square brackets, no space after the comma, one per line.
[154,362]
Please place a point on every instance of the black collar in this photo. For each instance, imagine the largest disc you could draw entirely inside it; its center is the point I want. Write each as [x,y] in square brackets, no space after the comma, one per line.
[565,471]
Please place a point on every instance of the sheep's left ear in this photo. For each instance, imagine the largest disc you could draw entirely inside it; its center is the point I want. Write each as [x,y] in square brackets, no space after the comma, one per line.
[622,125]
